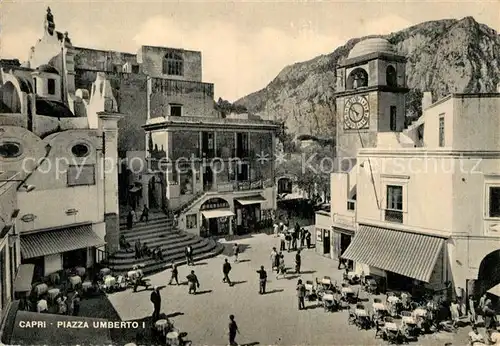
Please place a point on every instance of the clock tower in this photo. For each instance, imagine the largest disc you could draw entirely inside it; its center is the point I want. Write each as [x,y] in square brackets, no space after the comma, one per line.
[370,95]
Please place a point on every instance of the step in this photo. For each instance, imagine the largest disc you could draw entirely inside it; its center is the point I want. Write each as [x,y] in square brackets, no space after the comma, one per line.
[155,234]
[196,245]
[168,243]
[123,221]
[143,224]
[209,250]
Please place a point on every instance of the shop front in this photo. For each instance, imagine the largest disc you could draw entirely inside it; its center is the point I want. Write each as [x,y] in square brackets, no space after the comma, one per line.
[53,250]
[324,234]
[216,218]
[248,213]
[399,260]
[341,240]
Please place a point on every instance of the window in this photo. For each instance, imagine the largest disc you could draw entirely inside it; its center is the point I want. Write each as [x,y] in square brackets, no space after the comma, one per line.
[394,211]
[10,150]
[191,221]
[80,150]
[391,76]
[173,64]
[135,68]
[242,172]
[175,110]
[81,175]
[207,144]
[441,130]
[394,114]
[242,145]
[494,201]
[51,86]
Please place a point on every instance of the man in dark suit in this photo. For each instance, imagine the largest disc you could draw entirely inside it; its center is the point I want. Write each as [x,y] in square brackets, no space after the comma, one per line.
[226,268]
[156,300]
[262,280]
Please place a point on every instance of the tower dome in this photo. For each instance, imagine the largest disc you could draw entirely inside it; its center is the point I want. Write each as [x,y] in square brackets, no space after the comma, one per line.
[371,45]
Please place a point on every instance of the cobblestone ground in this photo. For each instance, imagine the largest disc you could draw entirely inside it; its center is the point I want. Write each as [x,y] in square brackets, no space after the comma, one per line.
[271,319]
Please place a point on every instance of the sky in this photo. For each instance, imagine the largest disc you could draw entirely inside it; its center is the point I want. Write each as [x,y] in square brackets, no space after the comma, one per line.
[244,44]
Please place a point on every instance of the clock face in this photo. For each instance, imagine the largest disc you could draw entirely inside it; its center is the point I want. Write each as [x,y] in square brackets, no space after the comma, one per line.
[356,113]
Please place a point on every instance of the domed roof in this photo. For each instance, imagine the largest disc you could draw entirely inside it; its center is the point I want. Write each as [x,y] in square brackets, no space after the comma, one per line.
[371,45]
[47,69]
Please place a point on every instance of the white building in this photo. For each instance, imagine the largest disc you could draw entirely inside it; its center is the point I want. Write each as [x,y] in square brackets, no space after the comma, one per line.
[66,168]
[427,198]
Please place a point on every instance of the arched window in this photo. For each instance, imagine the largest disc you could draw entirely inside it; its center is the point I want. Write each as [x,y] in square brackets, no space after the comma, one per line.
[173,64]
[391,76]
[358,78]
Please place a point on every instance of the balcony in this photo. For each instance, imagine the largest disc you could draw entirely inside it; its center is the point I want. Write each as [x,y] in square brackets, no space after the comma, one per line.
[395,216]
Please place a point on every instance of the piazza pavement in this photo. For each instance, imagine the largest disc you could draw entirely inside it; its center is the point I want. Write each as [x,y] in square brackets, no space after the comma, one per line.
[271,319]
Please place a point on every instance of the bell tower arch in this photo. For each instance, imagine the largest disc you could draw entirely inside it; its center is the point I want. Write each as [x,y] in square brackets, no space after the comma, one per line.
[371,88]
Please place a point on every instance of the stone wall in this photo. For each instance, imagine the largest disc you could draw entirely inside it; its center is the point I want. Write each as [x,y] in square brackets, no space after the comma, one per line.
[197,99]
[130,91]
[101,60]
[151,59]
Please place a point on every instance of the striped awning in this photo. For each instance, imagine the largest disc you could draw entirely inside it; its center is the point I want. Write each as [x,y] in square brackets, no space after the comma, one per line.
[409,254]
[59,240]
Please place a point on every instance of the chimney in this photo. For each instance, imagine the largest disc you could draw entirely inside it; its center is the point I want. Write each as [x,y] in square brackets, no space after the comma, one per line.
[426,100]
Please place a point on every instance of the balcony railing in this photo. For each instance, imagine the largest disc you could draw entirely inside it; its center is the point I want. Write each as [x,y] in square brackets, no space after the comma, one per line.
[351,204]
[395,216]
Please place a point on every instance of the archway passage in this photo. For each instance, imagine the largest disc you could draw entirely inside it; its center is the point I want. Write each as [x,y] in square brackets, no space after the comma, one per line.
[489,273]
[10,100]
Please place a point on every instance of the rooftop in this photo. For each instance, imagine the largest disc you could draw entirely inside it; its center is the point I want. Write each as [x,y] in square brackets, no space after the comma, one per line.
[161,122]
[371,45]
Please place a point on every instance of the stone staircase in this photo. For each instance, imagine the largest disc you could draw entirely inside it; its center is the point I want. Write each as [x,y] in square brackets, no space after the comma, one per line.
[159,231]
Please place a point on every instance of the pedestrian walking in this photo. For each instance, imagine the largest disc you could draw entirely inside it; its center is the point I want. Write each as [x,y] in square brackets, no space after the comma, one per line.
[298,261]
[282,242]
[144,214]
[302,237]
[301,294]
[236,252]
[138,248]
[233,330]
[189,255]
[281,267]
[294,240]
[156,300]
[308,239]
[262,280]
[193,282]
[76,303]
[130,219]
[226,268]
[276,229]
[174,274]
[288,239]
[472,311]
[274,253]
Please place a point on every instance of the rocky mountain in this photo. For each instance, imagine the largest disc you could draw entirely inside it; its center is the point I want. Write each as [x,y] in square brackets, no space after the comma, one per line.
[443,56]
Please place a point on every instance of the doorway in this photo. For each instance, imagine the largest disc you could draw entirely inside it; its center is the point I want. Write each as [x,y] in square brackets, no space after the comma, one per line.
[75,258]
[326,242]
[208,177]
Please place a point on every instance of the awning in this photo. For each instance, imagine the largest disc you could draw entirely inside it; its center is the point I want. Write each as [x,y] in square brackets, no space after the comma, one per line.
[59,240]
[211,214]
[24,278]
[409,254]
[64,336]
[495,290]
[257,199]
[292,196]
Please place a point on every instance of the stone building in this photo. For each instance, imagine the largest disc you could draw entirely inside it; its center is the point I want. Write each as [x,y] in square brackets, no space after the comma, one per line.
[427,197]
[62,144]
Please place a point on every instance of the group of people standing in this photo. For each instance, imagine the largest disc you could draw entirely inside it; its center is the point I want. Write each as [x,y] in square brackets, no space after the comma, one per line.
[290,238]
[131,216]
